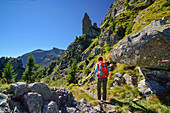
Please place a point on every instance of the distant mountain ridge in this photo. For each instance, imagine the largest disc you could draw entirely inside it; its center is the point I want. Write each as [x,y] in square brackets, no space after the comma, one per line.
[42,56]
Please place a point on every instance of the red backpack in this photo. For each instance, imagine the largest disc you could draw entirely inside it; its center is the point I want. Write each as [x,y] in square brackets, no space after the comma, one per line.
[102,70]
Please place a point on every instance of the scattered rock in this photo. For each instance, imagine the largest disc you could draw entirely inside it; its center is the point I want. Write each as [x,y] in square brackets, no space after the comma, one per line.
[19,89]
[4,106]
[118,75]
[95,51]
[18,106]
[136,99]
[90,65]
[50,107]
[131,80]
[41,88]
[83,101]
[148,2]
[33,102]
[55,97]
[137,18]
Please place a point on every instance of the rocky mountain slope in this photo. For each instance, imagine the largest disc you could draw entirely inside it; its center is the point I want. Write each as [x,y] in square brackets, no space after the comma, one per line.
[134,32]
[133,38]
[43,57]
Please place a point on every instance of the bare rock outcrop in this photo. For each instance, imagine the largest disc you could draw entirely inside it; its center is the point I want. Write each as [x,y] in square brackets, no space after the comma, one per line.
[88,28]
[146,48]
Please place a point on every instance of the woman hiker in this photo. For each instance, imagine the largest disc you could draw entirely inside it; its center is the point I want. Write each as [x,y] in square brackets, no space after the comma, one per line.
[102,74]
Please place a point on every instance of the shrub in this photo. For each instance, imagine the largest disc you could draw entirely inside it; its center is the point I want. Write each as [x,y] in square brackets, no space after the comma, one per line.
[129,28]
[110,83]
[102,31]
[121,31]
[113,26]
[133,1]
[72,72]
[165,4]
[87,71]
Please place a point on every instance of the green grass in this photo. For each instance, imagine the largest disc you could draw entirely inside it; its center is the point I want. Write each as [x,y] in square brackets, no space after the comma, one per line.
[155,11]
[4,86]
[79,94]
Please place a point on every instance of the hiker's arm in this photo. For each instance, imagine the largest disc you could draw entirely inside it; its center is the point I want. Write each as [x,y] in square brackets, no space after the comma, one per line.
[96,69]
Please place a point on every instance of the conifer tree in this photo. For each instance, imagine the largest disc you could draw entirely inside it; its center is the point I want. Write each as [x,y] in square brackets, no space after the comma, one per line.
[8,73]
[30,72]
[72,72]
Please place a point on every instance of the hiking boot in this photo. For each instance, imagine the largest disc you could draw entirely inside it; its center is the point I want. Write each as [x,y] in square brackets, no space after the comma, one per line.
[103,101]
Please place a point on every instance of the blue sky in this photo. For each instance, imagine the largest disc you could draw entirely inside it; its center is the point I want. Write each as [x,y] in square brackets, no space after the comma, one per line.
[27,25]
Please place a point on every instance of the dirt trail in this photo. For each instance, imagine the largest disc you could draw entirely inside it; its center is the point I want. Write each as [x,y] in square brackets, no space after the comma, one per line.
[107,106]
[88,91]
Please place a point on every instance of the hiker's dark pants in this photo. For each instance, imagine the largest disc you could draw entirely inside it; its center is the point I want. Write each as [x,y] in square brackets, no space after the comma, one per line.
[99,82]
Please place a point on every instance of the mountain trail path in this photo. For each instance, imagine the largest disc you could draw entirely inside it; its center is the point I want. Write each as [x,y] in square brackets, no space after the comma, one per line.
[105,105]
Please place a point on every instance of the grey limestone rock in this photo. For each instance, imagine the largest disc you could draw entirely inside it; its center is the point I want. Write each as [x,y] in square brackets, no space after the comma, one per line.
[95,51]
[41,88]
[88,28]
[19,89]
[83,101]
[33,102]
[50,107]
[146,48]
[131,80]
[4,106]
[147,87]
[90,65]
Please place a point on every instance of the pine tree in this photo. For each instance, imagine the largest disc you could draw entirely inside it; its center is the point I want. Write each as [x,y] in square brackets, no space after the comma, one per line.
[30,72]
[72,72]
[8,73]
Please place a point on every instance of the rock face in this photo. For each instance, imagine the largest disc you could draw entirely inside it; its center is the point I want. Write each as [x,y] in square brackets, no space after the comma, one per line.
[88,28]
[17,66]
[114,10]
[33,101]
[146,48]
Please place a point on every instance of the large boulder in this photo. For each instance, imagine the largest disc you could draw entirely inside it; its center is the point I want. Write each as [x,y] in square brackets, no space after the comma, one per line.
[33,102]
[17,106]
[19,89]
[161,76]
[148,86]
[4,106]
[50,107]
[146,48]
[55,97]
[41,88]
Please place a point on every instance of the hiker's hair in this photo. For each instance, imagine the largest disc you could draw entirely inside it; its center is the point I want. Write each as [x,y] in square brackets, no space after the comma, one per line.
[100,59]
